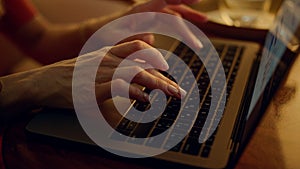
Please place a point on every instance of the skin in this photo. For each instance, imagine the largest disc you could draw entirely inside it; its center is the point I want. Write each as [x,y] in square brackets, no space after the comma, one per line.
[51,85]
[42,40]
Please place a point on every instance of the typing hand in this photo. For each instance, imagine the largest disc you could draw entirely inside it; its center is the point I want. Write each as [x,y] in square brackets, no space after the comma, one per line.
[120,68]
[173,7]
[52,85]
[177,8]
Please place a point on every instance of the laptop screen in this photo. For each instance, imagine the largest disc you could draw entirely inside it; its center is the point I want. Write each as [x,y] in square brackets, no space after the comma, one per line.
[284,34]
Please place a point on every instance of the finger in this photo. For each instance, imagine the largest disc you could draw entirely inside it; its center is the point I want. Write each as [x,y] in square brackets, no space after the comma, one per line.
[161,76]
[180,28]
[145,52]
[148,38]
[150,81]
[169,11]
[121,88]
[107,69]
[129,72]
[112,61]
[188,13]
[144,78]
[127,48]
[169,81]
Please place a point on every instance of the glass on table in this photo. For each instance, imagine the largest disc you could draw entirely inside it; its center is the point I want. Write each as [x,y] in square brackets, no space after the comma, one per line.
[245,13]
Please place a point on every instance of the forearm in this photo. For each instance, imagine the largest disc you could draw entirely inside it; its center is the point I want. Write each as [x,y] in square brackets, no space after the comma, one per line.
[49,43]
[16,95]
[48,86]
[46,42]
[65,41]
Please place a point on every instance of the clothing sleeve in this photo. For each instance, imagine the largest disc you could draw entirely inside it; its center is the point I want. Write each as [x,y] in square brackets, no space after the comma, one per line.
[19,12]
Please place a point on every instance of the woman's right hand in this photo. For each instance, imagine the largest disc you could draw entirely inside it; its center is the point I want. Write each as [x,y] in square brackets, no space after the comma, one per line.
[122,66]
[52,85]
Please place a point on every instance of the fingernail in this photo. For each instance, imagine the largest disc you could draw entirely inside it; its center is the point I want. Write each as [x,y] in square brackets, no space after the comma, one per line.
[146,97]
[173,90]
[198,44]
[165,66]
[182,93]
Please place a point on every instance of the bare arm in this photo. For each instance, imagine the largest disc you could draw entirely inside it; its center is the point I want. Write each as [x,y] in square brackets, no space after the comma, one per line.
[52,85]
[48,42]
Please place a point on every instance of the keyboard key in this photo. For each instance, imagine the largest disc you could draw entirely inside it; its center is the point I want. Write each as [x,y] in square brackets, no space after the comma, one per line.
[141,106]
[176,135]
[164,123]
[124,132]
[183,125]
[142,130]
[210,140]
[187,115]
[177,147]
[117,136]
[179,49]
[123,124]
[199,123]
[195,132]
[169,146]
[131,126]
[155,142]
[206,105]
[169,114]
[157,131]
[135,140]
[171,110]
[232,49]
[205,152]
[196,66]
[191,146]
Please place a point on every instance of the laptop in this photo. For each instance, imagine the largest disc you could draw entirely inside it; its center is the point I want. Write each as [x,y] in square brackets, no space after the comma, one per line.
[253,73]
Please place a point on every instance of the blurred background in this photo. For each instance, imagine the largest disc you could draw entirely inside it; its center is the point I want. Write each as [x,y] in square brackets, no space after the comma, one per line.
[62,11]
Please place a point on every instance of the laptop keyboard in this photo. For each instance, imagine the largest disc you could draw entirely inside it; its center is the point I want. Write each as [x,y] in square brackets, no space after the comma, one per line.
[230,56]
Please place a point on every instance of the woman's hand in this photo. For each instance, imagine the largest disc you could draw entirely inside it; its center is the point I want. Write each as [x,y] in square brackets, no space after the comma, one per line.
[120,67]
[52,85]
[48,43]
[174,7]
[111,60]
